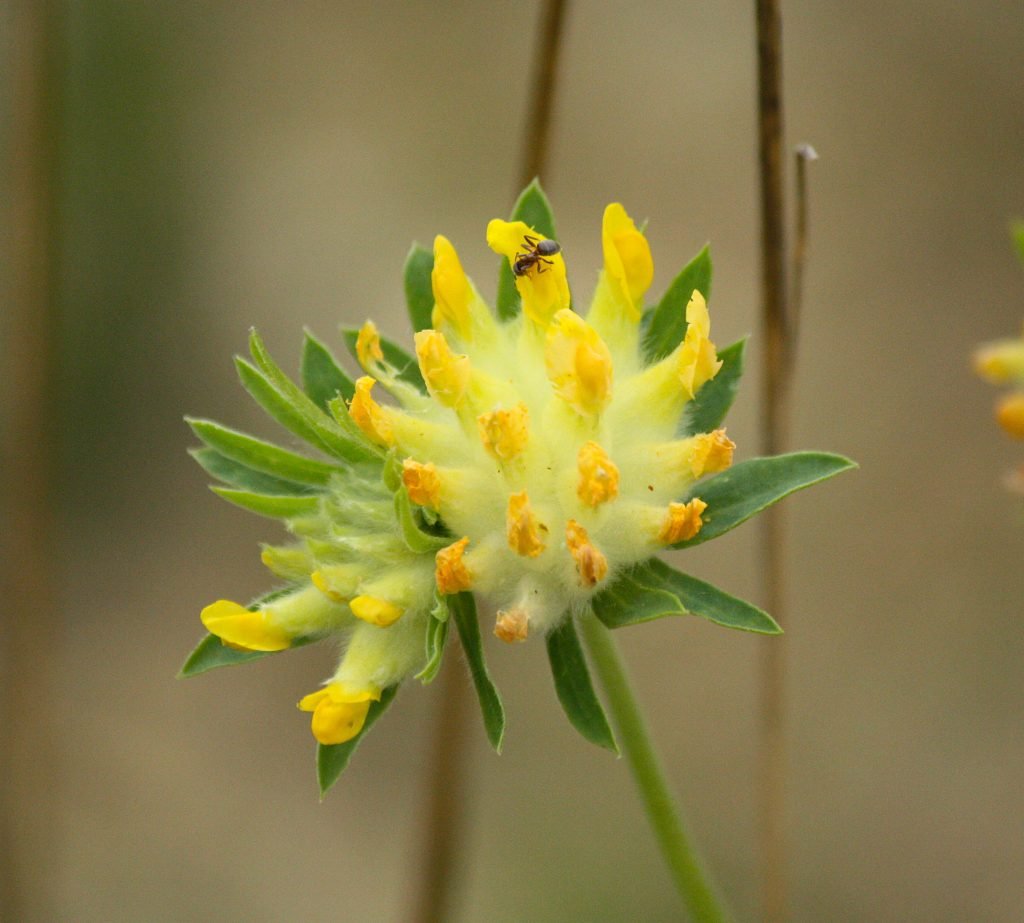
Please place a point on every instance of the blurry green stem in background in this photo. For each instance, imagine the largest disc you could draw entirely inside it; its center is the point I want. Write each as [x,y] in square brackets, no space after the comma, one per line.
[662,811]
[441,832]
[28,627]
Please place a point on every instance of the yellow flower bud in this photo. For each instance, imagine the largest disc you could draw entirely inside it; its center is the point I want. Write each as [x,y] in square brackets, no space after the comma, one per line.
[523,529]
[376,611]
[447,375]
[598,475]
[711,452]
[368,349]
[591,564]
[1010,414]
[452,291]
[504,433]
[578,363]
[512,625]
[696,359]
[243,629]
[338,713]
[368,415]
[543,287]
[628,266]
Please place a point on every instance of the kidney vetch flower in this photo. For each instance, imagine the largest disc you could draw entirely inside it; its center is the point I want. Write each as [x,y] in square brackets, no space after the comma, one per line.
[534,459]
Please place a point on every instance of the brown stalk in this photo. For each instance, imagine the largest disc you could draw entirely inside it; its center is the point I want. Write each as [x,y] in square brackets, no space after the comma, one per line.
[446,781]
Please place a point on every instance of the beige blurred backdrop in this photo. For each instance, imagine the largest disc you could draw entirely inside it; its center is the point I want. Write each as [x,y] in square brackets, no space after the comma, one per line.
[227,165]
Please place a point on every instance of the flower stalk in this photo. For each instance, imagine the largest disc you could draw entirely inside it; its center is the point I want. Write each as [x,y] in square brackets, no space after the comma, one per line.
[663,813]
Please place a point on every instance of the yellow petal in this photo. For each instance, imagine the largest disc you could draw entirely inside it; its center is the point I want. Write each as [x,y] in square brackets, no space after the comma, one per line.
[682,521]
[243,629]
[543,287]
[451,573]
[422,483]
[578,362]
[368,349]
[452,292]
[338,714]
[368,415]
[696,359]
[522,528]
[1010,414]
[446,374]
[504,433]
[1001,362]
[591,564]
[598,475]
[376,611]
[627,259]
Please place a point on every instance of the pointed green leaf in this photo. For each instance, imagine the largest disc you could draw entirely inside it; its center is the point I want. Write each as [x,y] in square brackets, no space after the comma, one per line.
[734,495]
[331,759]
[330,439]
[295,410]
[406,367]
[419,291]
[437,635]
[237,475]
[574,688]
[275,506]
[532,208]
[666,325]
[415,538]
[262,456]
[463,609]
[322,377]
[654,590]
[707,410]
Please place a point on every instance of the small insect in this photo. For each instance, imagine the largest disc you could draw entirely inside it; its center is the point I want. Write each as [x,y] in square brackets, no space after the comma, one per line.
[535,254]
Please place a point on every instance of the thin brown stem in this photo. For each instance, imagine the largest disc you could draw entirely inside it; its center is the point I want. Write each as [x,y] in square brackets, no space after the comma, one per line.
[804,155]
[446,797]
[775,436]
[542,92]
[445,820]
[29,613]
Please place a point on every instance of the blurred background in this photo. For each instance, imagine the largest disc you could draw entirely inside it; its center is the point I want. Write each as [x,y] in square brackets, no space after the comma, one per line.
[217,166]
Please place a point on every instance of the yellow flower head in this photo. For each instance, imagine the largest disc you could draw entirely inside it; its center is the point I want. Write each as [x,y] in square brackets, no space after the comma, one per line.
[535,460]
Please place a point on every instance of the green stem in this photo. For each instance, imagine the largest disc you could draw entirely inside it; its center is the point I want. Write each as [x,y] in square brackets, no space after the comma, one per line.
[662,811]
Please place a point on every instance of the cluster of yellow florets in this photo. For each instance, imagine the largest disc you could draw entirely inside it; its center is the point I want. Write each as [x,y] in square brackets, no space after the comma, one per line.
[544,459]
[1002,363]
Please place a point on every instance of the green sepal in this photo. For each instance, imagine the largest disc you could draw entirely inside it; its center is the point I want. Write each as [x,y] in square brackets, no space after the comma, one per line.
[708,409]
[406,367]
[238,475]
[391,473]
[665,326]
[276,506]
[211,653]
[653,590]
[262,456]
[437,635]
[322,377]
[463,609]
[419,290]
[331,759]
[303,417]
[415,538]
[734,495]
[532,208]
[574,688]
